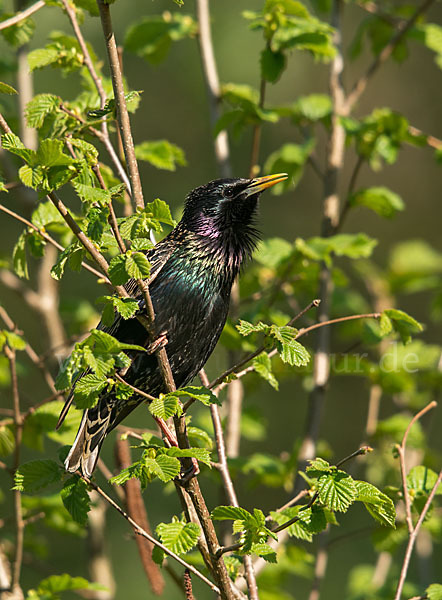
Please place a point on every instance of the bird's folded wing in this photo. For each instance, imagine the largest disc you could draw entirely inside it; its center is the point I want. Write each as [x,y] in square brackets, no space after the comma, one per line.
[157,257]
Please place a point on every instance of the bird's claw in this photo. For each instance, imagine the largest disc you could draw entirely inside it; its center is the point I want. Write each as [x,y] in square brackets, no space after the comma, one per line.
[160,342]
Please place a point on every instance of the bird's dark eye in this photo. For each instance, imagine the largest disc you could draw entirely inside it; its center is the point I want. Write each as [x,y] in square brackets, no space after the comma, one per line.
[228,192]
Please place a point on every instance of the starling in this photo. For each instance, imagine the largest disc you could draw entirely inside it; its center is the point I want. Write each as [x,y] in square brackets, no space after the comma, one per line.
[192,273]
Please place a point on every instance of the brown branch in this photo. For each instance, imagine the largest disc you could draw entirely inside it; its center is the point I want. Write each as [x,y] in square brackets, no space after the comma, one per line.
[255,353]
[22,15]
[120,103]
[430,140]
[221,142]
[384,55]
[112,217]
[401,451]
[140,531]
[47,237]
[137,510]
[257,130]
[18,512]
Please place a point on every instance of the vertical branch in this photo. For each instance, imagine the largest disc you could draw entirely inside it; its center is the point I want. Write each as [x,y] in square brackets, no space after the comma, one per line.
[99,565]
[257,130]
[330,220]
[221,142]
[18,513]
[120,103]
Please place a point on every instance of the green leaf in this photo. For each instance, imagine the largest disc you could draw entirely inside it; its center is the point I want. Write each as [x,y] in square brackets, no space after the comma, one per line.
[117,270]
[272,252]
[161,154]
[434,591]
[223,513]
[262,365]
[164,467]
[90,194]
[44,214]
[265,551]
[380,506]
[42,57]
[14,340]
[313,107]
[201,454]
[50,587]
[40,107]
[20,33]
[245,328]
[401,322]
[337,490]
[126,307]
[379,199]
[137,265]
[200,393]
[152,37]
[7,89]
[290,159]
[12,143]
[7,440]
[164,407]
[65,258]
[19,259]
[76,499]
[36,474]
[87,390]
[421,479]
[272,65]
[178,536]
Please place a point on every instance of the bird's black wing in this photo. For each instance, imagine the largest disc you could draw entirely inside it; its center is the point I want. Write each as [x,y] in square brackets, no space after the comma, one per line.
[157,257]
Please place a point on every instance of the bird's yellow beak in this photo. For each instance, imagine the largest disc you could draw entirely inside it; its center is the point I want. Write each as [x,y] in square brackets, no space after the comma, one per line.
[262,183]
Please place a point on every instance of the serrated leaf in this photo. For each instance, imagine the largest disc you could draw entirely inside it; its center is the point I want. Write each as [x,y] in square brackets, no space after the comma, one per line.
[379,505]
[7,89]
[178,536]
[164,407]
[90,194]
[262,365]
[164,467]
[76,499]
[201,454]
[265,551]
[88,389]
[245,328]
[42,57]
[39,108]
[401,322]
[223,513]
[337,490]
[14,340]
[117,270]
[137,265]
[200,393]
[272,64]
[36,474]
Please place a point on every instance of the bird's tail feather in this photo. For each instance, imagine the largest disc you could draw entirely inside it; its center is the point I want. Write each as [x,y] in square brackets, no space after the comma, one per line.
[83,454]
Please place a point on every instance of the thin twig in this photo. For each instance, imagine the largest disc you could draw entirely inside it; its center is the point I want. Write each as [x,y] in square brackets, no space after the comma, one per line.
[140,531]
[384,55]
[22,15]
[401,451]
[120,103]
[47,238]
[221,142]
[18,512]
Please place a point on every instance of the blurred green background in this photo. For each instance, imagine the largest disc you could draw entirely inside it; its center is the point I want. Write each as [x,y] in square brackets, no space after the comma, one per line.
[174,107]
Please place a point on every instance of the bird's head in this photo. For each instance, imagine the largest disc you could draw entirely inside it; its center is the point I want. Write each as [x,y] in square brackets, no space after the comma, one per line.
[224,205]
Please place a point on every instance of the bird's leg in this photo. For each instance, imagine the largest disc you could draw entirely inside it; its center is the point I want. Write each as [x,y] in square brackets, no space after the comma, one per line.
[158,343]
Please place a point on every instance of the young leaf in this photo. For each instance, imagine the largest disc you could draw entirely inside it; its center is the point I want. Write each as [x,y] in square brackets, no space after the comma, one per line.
[164,407]
[137,265]
[200,393]
[76,499]
[87,390]
[164,467]
[223,513]
[379,505]
[401,322]
[161,154]
[178,536]
[117,270]
[19,257]
[36,474]
[337,490]
[50,587]
[40,107]
[381,200]
[201,454]
[7,89]
[262,365]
